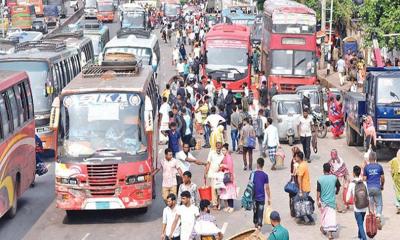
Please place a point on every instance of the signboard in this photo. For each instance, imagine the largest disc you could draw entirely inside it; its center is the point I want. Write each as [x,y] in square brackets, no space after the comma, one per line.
[226,44]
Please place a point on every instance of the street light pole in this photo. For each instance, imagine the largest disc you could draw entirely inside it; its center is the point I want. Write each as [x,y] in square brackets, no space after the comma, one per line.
[323,23]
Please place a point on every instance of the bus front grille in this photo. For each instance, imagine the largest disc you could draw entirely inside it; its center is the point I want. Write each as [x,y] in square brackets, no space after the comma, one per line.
[102,179]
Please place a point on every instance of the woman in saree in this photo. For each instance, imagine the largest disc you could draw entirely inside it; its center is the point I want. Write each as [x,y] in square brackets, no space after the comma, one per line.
[395,172]
[339,169]
[228,194]
[336,116]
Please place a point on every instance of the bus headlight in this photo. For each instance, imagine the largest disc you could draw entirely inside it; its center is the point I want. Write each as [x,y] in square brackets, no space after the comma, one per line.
[382,125]
[133,179]
[71,181]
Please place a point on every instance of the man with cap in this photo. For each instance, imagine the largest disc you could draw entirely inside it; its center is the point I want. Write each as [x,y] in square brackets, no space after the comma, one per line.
[278,232]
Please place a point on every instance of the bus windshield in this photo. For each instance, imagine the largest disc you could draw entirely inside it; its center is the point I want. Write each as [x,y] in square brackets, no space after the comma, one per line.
[291,62]
[140,52]
[105,7]
[99,121]
[227,56]
[133,20]
[293,23]
[171,9]
[38,75]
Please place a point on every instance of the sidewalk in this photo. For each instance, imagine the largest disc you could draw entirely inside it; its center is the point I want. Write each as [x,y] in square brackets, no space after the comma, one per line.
[332,80]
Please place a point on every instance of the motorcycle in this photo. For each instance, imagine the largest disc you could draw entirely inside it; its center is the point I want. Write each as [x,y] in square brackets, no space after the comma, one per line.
[319,124]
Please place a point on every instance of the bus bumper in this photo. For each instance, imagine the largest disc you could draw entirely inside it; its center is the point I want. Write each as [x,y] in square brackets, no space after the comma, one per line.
[289,84]
[134,196]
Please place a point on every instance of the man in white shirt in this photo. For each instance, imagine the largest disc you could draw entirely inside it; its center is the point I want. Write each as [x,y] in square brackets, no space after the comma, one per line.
[214,119]
[211,89]
[187,214]
[224,91]
[184,159]
[164,111]
[271,141]
[168,217]
[304,128]
[180,67]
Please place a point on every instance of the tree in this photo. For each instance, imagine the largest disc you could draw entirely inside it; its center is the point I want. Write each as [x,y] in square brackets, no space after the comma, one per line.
[381,17]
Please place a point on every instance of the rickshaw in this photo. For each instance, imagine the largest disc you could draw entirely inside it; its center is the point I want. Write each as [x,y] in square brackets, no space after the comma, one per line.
[285,112]
[315,93]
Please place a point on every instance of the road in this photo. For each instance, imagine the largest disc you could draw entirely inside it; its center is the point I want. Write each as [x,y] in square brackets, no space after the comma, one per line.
[38,218]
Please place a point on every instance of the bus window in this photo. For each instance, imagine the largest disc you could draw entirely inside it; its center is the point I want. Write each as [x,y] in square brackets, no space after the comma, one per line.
[59,76]
[4,117]
[29,97]
[14,108]
[23,102]
[64,77]
[55,79]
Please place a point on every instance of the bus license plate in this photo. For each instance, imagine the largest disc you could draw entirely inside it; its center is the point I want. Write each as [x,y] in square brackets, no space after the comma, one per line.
[102,205]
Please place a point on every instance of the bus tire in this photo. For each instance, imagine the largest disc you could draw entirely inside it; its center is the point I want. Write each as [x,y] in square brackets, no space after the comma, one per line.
[13,210]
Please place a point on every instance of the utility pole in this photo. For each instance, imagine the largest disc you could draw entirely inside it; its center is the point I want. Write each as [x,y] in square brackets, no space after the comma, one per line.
[323,28]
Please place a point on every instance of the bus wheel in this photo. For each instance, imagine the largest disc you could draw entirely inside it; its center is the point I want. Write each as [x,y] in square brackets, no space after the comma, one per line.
[13,210]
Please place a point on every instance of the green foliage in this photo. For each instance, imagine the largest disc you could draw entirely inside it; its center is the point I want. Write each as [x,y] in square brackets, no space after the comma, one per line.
[382,17]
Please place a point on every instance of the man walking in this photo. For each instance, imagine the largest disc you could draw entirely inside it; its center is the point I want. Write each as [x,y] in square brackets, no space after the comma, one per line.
[235,122]
[259,126]
[304,129]
[262,193]
[375,178]
[341,68]
[186,214]
[170,169]
[303,181]
[248,136]
[278,232]
[169,214]
[358,189]
[327,187]
[271,141]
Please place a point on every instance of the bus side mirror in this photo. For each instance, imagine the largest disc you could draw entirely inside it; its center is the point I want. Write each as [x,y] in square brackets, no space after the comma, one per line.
[55,114]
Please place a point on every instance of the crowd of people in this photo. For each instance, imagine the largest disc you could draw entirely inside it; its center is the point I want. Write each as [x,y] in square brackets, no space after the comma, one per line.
[197,113]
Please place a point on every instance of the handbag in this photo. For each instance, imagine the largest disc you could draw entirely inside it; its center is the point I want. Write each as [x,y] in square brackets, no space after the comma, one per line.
[291,187]
[227,177]
[267,214]
[303,206]
[251,142]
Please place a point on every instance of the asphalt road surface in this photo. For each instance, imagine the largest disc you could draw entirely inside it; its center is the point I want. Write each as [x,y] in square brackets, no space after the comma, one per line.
[38,218]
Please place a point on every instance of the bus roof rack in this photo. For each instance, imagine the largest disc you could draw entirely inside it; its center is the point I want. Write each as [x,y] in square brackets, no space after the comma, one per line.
[41,45]
[74,34]
[124,69]
[137,32]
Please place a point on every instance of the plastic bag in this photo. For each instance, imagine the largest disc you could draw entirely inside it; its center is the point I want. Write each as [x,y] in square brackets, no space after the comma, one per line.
[267,214]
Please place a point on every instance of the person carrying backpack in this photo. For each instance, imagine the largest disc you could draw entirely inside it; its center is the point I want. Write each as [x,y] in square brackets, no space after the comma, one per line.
[359,191]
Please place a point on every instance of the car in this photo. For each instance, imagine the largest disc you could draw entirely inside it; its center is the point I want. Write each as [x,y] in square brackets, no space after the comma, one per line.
[40,25]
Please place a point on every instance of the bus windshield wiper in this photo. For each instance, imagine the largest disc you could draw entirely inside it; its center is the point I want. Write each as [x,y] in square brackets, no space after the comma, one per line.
[106,150]
[219,70]
[234,69]
[299,62]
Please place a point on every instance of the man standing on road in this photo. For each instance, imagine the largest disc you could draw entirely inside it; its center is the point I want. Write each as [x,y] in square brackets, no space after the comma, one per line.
[271,141]
[375,178]
[278,232]
[327,187]
[169,214]
[186,214]
[303,181]
[235,122]
[260,123]
[358,189]
[170,169]
[262,193]
[304,129]
[184,159]
[341,68]
[247,134]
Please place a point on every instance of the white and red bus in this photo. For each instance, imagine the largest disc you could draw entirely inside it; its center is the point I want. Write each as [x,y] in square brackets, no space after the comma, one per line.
[17,139]
[109,156]
[227,52]
[289,45]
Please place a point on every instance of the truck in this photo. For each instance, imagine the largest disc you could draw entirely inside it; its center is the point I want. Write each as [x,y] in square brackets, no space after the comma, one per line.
[380,100]
[51,15]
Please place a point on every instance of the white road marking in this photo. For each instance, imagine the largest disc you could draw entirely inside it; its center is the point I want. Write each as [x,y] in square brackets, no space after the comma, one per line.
[86,236]
[224,227]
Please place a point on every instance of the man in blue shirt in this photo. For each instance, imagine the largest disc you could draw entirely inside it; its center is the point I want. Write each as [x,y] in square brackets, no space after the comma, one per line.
[374,176]
[261,193]
[174,139]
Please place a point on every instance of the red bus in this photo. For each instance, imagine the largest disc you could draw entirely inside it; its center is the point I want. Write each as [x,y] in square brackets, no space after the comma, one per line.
[38,7]
[11,3]
[289,45]
[105,11]
[227,53]
[17,139]
[109,155]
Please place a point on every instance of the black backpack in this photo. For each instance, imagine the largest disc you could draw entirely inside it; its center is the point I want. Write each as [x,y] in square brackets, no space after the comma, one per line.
[360,195]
